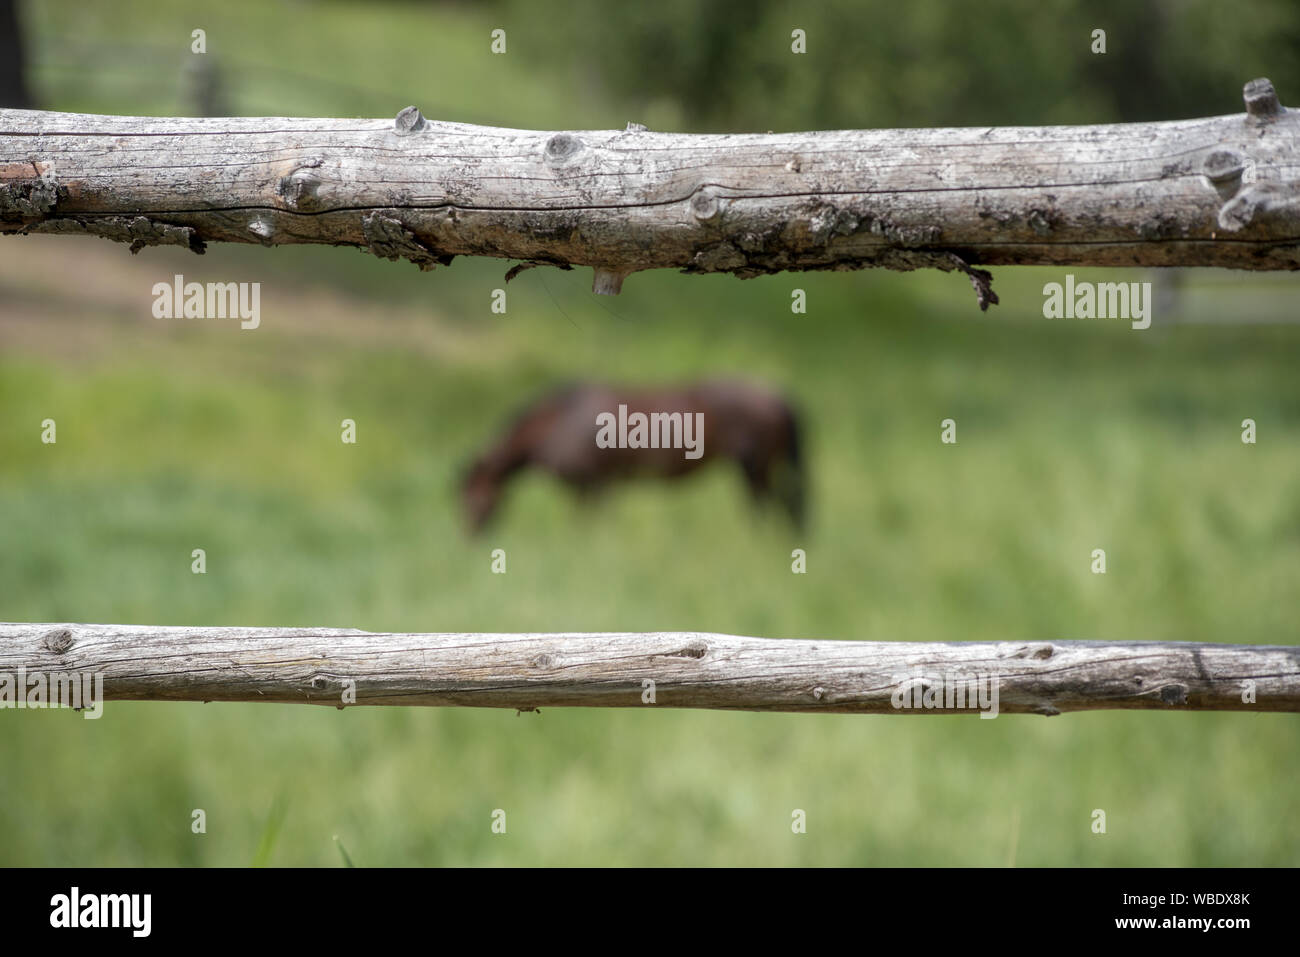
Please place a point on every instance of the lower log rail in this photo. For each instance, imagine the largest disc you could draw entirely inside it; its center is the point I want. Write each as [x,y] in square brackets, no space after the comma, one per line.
[340,667]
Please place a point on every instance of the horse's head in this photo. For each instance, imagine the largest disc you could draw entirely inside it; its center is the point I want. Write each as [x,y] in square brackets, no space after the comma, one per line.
[480,491]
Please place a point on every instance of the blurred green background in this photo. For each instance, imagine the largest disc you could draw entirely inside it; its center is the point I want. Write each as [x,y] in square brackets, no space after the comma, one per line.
[1073,435]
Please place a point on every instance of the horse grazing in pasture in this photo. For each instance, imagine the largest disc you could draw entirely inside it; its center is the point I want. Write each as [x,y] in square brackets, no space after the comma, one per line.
[589,435]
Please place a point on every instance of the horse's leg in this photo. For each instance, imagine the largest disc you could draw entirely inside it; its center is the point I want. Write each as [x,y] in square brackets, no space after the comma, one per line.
[756,477]
[788,468]
[587,491]
[789,491]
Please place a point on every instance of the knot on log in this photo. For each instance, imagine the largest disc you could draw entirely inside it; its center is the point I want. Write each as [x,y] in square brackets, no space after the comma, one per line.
[696,649]
[608,282]
[706,206]
[299,188]
[1041,652]
[1261,100]
[1275,204]
[388,238]
[57,641]
[562,147]
[408,121]
[1223,168]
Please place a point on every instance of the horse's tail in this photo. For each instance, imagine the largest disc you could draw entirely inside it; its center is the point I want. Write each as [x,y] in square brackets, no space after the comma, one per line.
[791,486]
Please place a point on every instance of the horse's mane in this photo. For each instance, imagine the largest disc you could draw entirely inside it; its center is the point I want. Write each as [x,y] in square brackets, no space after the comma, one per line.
[559,395]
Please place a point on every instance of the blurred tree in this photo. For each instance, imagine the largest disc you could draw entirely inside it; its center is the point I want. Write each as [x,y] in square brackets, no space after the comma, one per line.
[13,85]
[204,84]
[728,65]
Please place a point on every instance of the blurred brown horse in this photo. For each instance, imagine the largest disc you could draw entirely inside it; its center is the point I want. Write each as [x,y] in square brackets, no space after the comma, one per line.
[562,434]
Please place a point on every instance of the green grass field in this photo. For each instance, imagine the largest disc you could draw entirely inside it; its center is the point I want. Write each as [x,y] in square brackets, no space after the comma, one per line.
[1072,435]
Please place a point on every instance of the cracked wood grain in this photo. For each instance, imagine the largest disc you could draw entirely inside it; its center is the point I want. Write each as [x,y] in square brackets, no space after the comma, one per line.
[688,669]
[1223,191]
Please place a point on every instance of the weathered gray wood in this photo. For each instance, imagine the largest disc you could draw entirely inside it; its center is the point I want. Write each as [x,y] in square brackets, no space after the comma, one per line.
[689,670]
[1223,191]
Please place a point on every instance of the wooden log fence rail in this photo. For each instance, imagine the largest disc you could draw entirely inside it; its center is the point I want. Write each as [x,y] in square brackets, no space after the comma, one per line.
[1223,191]
[527,672]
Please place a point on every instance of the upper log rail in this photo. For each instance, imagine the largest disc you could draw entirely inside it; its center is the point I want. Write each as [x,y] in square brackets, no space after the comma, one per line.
[664,669]
[1223,191]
